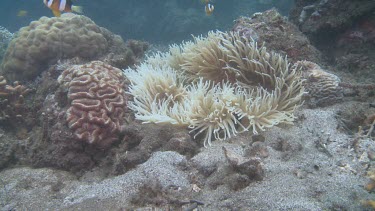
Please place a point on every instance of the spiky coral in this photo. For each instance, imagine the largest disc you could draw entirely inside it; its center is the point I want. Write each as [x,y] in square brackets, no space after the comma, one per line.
[232,83]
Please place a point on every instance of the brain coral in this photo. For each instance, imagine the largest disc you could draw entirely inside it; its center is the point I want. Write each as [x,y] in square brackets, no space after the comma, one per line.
[97,101]
[47,40]
[322,88]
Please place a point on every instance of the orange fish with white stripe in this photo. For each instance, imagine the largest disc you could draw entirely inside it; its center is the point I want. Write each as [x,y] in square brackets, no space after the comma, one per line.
[209,8]
[58,6]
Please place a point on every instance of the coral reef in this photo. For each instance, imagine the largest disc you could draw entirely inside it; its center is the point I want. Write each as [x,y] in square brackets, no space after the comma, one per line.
[5,38]
[48,40]
[312,178]
[318,16]
[96,93]
[12,105]
[353,50]
[230,82]
[212,88]
[278,34]
[344,31]
[125,55]
[47,140]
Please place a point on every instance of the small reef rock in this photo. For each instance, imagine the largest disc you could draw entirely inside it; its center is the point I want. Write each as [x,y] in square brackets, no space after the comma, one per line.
[12,105]
[278,34]
[48,40]
[344,31]
[322,17]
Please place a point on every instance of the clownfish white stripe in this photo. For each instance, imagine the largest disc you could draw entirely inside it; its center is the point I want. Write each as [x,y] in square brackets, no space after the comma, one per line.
[50,2]
[62,5]
[210,7]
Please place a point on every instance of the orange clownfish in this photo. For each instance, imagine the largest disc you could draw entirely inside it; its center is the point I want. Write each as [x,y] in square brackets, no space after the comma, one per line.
[58,6]
[208,8]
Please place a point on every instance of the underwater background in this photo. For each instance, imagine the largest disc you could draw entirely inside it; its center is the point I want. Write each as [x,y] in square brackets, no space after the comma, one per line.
[154,21]
[161,105]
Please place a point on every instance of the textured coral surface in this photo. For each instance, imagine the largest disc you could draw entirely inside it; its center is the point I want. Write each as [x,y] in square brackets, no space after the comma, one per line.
[12,105]
[47,40]
[97,101]
[318,16]
[5,38]
[344,31]
[322,88]
[278,34]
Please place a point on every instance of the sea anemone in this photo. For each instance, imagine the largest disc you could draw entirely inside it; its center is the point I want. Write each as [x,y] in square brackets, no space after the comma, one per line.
[212,110]
[222,85]
[157,92]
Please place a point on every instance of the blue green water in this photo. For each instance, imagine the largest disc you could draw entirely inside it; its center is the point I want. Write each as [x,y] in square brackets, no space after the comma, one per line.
[150,20]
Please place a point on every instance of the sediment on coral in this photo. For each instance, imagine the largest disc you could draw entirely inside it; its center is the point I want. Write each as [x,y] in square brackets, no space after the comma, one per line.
[231,85]
[96,93]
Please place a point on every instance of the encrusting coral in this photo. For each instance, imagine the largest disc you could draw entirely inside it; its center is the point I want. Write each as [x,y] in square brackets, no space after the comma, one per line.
[47,40]
[97,102]
[12,105]
[220,83]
